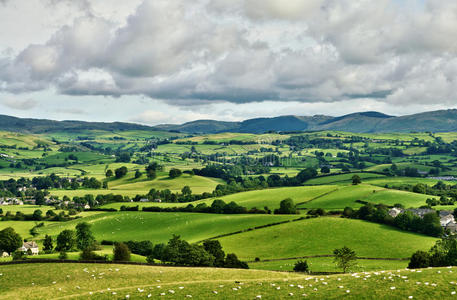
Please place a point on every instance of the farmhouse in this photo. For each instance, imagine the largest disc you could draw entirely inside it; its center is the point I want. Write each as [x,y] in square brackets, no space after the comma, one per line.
[32,246]
[395,212]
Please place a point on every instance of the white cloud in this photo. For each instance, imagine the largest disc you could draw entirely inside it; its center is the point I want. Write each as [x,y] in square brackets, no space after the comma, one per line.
[190,53]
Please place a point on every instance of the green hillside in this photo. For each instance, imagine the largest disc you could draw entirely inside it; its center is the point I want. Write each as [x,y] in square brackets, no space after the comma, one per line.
[321,236]
[160,227]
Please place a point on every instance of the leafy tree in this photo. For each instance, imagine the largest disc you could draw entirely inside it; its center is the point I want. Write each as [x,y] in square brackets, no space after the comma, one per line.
[348,212]
[84,236]
[306,174]
[286,207]
[120,172]
[109,173]
[152,169]
[37,215]
[66,241]
[39,198]
[121,252]
[174,173]
[47,244]
[301,266]
[345,258]
[356,180]
[186,190]
[214,248]
[138,174]
[9,240]
[123,157]
[325,169]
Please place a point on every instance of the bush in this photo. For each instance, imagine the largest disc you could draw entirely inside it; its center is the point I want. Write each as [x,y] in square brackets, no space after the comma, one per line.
[301,266]
[286,207]
[121,252]
[63,255]
[232,261]
[88,254]
[18,255]
[419,259]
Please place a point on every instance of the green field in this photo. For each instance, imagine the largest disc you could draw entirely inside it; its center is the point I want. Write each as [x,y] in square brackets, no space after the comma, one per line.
[321,236]
[327,264]
[102,281]
[159,227]
[346,196]
[129,186]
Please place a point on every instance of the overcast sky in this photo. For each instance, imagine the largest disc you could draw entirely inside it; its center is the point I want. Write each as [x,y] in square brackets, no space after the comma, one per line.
[172,61]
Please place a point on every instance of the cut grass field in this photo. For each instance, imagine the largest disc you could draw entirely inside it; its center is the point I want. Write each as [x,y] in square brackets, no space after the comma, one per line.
[160,227]
[321,236]
[105,281]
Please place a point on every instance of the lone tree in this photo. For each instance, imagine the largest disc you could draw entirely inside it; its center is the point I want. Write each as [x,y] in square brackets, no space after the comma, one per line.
[9,240]
[345,258]
[66,241]
[120,172]
[356,180]
[121,252]
[174,173]
[109,173]
[47,244]
[301,266]
[286,207]
[85,238]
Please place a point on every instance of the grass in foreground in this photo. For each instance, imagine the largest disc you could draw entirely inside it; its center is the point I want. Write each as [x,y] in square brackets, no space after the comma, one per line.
[101,281]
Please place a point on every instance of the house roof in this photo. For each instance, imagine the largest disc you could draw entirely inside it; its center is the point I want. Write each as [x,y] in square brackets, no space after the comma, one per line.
[29,245]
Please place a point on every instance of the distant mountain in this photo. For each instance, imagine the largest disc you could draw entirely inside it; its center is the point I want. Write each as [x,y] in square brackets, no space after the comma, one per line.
[368,122]
[8,123]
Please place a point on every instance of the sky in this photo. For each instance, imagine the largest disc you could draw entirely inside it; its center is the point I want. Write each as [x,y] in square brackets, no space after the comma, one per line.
[174,61]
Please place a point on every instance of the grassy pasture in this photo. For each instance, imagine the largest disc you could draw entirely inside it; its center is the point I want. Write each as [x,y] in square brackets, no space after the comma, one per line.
[321,236]
[327,264]
[347,196]
[159,227]
[45,281]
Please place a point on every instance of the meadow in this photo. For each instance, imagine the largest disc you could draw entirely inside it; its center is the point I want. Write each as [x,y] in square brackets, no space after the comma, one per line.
[106,281]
